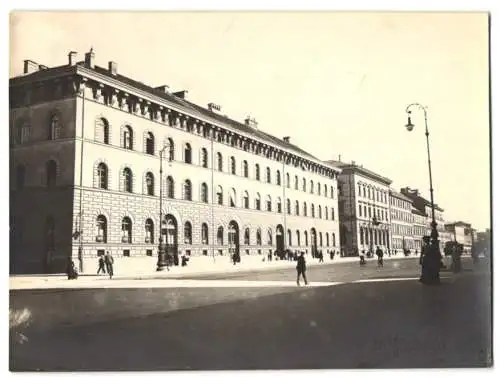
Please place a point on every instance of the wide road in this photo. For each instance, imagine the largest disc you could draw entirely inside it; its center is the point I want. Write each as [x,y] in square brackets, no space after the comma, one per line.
[378,324]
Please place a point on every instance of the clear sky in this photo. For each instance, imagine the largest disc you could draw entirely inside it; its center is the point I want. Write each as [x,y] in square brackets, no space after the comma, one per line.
[336,83]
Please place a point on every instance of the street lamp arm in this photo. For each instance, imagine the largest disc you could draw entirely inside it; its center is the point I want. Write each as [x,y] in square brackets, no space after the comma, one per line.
[418,106]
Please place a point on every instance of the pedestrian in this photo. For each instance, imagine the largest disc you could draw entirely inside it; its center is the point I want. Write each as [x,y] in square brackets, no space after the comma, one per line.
[380,256]
[301,268]
[101,265]
[71,270]
[321,256]
[109,261]
[362,258]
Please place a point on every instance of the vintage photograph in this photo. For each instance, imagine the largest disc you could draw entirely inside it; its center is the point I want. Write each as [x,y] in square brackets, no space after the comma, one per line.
[249,191]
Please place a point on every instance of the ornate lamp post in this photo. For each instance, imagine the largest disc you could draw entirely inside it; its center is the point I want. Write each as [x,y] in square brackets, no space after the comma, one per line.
[431,262]
[162,260]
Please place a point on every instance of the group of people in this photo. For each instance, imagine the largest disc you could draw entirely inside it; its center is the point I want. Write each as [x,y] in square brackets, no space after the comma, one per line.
[106,264]
[378,252]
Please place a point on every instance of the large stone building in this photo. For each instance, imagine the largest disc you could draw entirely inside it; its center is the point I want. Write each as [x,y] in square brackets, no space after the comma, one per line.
[402,222]
[363,209]
[85,162]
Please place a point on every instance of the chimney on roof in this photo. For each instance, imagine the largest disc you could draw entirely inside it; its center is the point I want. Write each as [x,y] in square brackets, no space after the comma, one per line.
[181,94]
[72,58]
[353,163]
[251,122]
[30,66]
[112,68]
[163,89]
[340,158]
[89,59]
[286,139]
[213,107]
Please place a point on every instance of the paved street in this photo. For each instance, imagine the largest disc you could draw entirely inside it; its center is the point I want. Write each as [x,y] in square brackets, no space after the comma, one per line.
[356,324]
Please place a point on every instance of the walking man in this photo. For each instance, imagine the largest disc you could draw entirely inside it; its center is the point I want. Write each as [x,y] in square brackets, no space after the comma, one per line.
[101,265]
[301,268]
[109,263]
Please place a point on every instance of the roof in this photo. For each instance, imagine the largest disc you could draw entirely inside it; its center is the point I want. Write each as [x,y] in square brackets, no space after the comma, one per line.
[459,223]
[419,200]
[358,169]
[399,195]
[183,103]
[418,212]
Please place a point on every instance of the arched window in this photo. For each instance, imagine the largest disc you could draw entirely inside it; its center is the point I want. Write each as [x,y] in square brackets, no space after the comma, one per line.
[311,187]
[128,138]
[187,153]
[326,213]
[150,183]
[320,239]
[204,234]
[278,204]
[361,236]
[287,180]
[298,237]
[359,189]
[333,213]
[150,143]
[304,184]
[171,149]
[102,176]
[232,197]
[269,205]
[306,241]
[296,184]
[320,213]
[233,165]
[257,202]
[102,130]
[23,133]
[245,169]
[327,239]
[246,200]
[278,178]
[220,235]
[220,196]
[313,213]
[170,187]
[126,230]
[268,175]
[289,234]
[331,192]
[246,239]
[219,161]
[102,229]
[319,188]
[269,237]
[127,179]
[150,231]
[204,193]
[204,158]
[258,237]
[304,212]
[20,176]
[326,190]
[187,192]
[188,237]
[51,173]
[257,172]
[297,208]
[54,127]
[288,207]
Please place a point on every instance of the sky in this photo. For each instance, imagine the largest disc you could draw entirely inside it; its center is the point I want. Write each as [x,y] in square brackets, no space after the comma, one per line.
[337,83]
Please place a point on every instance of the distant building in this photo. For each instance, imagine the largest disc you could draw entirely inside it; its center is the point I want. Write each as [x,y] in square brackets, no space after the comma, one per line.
[364,203]
[420,227]
[462,233]
[482,242]
[402,221]
[425,206]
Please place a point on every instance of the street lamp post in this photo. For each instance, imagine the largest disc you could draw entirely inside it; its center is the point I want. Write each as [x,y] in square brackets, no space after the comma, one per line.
[431,262]
[162,260]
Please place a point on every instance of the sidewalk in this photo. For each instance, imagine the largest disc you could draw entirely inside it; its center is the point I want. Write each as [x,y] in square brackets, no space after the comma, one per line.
[196,267]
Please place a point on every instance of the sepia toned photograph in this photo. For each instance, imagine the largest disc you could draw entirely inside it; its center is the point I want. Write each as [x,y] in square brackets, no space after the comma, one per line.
[222,191]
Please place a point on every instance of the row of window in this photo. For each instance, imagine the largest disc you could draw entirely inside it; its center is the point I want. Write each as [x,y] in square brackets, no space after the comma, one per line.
[402,215]
[401,229]
[396,202]
[365,211]
[102,134]
[170,234]
[373,237]
[187,190]
[149,143]
[22,133]
[372,193]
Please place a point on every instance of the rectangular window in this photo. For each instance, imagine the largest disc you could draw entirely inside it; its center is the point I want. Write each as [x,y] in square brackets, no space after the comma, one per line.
[149,253]
[100,252]
[126,253]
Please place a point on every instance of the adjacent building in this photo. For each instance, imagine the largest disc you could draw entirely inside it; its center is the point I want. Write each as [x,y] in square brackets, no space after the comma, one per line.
[86,148]
[462,233]
[402,222]
[364,202]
